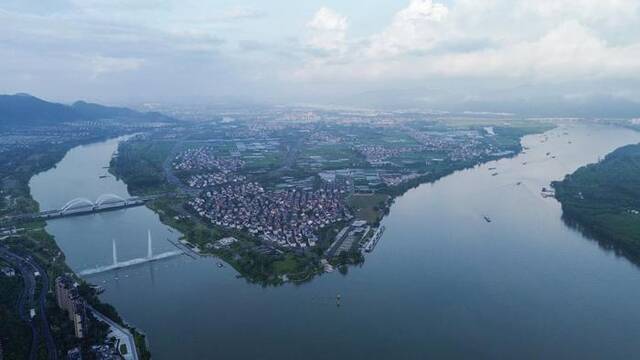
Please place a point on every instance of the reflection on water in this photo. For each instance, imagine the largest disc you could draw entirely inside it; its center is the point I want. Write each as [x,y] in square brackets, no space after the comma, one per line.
[443,282]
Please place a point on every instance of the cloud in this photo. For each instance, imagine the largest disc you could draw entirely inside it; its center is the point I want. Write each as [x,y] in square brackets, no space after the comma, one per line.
[587,11]
[243,12]
[567,52]
[428,40]
[102,65]
[328,31]
[416,27]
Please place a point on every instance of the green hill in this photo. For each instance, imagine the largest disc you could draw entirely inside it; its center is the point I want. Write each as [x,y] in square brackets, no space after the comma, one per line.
[27,110]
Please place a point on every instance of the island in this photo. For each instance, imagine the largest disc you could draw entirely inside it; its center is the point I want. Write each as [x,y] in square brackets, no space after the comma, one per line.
[283,195]
[603,200]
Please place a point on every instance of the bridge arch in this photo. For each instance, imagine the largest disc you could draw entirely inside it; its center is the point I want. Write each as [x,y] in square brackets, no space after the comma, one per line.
[109,199]
[77,204]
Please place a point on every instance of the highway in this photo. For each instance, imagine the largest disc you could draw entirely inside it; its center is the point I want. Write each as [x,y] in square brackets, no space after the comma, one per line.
[42,304]
[27,300]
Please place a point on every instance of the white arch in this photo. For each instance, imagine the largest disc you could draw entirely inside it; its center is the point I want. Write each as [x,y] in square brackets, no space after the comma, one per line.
[77,203]
[109,199]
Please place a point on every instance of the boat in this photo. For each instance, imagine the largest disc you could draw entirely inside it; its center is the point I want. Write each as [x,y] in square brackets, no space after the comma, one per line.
[104,176]
[220,265]
[98,289]
[487,219]
[494,174]
[546,193]
[519,183]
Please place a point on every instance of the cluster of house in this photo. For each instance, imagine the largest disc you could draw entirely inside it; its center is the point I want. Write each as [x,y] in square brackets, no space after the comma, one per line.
[378,154]
[324,138]
[202,181]
[393,179]
[8,271]
[459,145]
[353,180]
[204,158]
[289,218]
[99,352]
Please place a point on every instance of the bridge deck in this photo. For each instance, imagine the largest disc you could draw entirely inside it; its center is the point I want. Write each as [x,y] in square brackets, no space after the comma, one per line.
[129,263]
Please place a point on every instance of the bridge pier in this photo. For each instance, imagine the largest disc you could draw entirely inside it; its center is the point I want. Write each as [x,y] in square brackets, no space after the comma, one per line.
[115,253]
[149,245]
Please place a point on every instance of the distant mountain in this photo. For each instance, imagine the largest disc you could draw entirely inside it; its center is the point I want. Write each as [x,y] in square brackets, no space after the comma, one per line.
[96,111]
[27,110]
[23,109]
[526,100]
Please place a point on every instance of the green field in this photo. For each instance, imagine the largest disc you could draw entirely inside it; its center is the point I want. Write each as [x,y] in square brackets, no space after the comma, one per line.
[369,207]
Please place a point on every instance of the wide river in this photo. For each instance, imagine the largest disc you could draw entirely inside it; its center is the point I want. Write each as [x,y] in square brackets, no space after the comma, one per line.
[442,283]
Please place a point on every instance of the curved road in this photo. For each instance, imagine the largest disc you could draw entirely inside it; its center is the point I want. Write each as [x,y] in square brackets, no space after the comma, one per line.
[26,301]
[42,303]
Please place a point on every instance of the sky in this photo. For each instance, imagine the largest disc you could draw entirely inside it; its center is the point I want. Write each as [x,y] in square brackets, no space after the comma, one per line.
[478,55]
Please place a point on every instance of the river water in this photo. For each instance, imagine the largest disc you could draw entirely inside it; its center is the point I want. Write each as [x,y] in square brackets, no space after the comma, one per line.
[443,282]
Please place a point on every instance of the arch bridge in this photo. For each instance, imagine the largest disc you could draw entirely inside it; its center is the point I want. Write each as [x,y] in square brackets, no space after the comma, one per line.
[104,201]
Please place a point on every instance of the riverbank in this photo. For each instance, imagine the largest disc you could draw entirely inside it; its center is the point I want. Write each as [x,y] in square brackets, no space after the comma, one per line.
[603,200]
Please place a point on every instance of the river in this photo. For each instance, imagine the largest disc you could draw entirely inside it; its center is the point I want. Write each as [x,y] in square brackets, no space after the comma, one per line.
[442,282]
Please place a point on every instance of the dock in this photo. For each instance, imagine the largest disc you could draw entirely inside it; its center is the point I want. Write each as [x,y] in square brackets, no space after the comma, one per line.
[371,244]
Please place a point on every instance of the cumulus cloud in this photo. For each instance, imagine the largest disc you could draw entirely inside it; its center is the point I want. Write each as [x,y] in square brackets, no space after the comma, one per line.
[587,11]
[328,31]
[568,51]
[416,27]
[567,42]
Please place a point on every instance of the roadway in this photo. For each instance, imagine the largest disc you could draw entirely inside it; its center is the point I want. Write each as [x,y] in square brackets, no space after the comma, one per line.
[121,333]
[27,300]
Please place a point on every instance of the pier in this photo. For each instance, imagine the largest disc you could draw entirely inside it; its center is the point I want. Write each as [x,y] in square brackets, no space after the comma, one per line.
[369,246]
[133,262]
